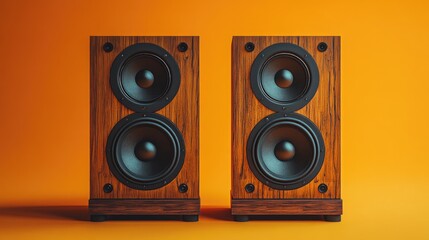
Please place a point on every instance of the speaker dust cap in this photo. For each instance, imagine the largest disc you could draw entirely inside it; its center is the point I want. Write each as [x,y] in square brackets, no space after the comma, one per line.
[285,152]
[144,77]
[284,77]
[145,151]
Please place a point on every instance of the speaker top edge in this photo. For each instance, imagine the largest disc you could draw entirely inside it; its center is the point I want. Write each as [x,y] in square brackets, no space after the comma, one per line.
[236,39]
[160,36]
[279,38]
[263,36]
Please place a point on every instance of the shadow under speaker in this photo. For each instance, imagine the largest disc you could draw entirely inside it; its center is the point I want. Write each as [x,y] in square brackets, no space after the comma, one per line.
[286,127]
[144,127]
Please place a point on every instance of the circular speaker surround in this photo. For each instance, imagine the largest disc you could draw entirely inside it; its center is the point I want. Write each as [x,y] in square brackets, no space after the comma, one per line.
[284,77]
[144,77]
[285,151]
[145,151]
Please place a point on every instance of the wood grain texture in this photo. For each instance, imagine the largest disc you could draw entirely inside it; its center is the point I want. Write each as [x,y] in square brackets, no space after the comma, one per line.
[106,111]
[287,207]
[144,206]
[323,110]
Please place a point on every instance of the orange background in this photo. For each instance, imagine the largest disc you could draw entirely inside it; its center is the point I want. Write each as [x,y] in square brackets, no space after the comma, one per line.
[44,124]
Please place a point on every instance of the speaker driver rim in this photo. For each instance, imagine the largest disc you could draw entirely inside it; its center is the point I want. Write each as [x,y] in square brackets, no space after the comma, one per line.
[116,164]
[165,59]
[309,173]
[287,49]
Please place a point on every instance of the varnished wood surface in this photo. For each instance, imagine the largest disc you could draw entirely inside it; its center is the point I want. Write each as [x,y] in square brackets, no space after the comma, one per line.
[323,110]
[106,111]
[144,206]
[286,206]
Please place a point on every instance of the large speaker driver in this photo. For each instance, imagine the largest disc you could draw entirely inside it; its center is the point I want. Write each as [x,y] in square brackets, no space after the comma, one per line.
[145,151]
[285,152]
[284,77]
[144,77]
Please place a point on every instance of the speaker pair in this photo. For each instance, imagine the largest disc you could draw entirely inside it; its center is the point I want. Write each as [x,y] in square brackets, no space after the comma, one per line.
[145,121]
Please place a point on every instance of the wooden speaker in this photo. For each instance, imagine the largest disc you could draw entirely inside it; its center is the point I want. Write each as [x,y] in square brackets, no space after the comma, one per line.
[144,127]
[286,127]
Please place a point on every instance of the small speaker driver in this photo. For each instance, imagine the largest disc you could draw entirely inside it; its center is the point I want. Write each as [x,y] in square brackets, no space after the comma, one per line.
[284,77]
[144,77]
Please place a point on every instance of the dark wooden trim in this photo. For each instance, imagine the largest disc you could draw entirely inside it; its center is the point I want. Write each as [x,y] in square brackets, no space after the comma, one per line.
[286,206]
[144,206]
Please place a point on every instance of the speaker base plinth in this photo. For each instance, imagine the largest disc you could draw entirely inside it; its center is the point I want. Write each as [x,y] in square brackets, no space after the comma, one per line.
[330,209]
[101,208]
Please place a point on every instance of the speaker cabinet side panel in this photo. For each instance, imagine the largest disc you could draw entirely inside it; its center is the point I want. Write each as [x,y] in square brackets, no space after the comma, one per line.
[106,111]
[323,110]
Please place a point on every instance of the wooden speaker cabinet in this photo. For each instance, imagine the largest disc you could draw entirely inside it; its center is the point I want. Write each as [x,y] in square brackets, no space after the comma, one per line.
[144,126]
[286,127]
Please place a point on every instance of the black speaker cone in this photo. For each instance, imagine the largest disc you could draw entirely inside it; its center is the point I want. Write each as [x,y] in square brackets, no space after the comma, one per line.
[285,152]
[284,77]
[145,152]
[144,77]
